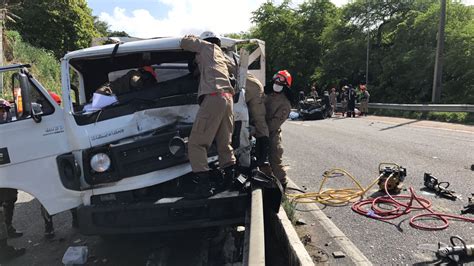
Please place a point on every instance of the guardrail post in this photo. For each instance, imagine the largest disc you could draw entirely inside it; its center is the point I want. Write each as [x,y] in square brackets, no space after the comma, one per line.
[256,254]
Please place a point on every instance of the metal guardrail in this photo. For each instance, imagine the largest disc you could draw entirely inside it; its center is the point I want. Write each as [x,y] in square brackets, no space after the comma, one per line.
[256,244]
[469,108]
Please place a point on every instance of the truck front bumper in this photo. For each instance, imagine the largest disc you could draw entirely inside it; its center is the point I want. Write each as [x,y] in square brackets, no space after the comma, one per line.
[168,214]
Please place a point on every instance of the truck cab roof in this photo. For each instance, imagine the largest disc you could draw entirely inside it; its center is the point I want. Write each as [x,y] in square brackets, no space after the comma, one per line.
[158,44]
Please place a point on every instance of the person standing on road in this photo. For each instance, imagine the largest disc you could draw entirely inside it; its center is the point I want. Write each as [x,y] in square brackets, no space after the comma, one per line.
[7,252]
[8,196]
[333,100]
[344,100]
[278,106]
[214,119]
[313,92]
[351,101]
[364,99]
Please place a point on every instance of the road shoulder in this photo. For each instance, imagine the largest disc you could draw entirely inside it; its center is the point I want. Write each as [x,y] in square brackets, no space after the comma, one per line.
[322,238]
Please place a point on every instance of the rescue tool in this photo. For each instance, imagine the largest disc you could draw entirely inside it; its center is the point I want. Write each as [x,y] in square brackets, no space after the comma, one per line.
[455,252]
[440,188]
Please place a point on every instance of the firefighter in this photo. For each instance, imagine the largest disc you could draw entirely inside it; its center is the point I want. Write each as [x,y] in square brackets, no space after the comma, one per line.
[364,99]
[254,97]
[214,119]
[8,196]
[7,200]
[278,106]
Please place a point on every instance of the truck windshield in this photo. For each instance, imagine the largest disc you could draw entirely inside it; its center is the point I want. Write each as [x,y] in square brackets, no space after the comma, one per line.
[105,87]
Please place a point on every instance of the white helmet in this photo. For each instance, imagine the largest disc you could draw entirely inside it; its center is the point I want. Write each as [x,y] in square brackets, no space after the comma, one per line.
[208,35]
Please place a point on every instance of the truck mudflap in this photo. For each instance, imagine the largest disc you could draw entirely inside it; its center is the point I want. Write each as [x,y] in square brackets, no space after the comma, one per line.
[167,214]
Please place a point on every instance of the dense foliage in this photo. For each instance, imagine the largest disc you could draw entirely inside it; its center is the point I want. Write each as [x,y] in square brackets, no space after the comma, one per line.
[44,66]
[58,26]
[322,44]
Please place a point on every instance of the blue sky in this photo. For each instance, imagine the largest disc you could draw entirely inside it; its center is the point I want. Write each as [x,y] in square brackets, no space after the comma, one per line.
[156,8]
[153,18]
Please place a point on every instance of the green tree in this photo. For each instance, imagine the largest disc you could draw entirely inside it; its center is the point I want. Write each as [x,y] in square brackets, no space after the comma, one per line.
[293,36]
[56,25]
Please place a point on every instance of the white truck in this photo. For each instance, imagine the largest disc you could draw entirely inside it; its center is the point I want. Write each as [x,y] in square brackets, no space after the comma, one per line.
[123,165]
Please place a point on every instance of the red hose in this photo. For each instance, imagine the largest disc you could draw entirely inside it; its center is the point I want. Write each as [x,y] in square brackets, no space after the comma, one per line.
[398,209]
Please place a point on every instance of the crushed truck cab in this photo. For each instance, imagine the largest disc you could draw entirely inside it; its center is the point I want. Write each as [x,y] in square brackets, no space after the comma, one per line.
[116,148]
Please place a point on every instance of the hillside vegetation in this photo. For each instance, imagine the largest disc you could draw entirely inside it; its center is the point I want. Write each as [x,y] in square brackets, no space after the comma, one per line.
[44,66]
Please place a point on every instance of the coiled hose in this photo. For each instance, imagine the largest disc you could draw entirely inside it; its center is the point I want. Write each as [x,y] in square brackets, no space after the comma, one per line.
[340,197]
[333,197]
[398,209]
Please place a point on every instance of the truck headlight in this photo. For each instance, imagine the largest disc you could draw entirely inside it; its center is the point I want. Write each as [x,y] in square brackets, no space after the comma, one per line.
[177,146]
[100,162]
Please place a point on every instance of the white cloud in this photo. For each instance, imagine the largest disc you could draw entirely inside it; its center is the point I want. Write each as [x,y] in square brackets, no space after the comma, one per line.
[185,17]
[191,17]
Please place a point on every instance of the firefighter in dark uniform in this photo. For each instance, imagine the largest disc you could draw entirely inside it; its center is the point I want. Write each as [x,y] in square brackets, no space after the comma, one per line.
[278,106]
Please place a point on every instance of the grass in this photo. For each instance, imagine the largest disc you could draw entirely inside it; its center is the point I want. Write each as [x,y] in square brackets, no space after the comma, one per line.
[460,118]
[290,209]
[44,66]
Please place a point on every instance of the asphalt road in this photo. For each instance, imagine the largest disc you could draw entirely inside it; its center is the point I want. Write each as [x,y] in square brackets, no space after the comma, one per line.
[358,145]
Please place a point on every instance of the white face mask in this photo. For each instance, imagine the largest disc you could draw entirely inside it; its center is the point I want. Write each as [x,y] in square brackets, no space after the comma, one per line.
[277,88]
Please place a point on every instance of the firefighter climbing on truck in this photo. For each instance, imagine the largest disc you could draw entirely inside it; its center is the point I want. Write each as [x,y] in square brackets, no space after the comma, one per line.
[214,119]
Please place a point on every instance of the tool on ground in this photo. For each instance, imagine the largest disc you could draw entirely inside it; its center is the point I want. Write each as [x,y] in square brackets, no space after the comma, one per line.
[469,208]
[440,188]
[453,252]
[393,208]
[394,174]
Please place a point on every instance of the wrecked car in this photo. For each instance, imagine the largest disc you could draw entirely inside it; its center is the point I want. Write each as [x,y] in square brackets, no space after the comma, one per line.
[311,108]
[118,155]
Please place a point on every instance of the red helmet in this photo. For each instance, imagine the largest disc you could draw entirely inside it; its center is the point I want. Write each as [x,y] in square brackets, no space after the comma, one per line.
[283,77]
[55,97]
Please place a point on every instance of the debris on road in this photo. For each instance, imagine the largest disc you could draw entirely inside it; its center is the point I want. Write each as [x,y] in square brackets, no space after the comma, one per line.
[300,222]
[469,208]
[75,255]
[338,254]
[306,239]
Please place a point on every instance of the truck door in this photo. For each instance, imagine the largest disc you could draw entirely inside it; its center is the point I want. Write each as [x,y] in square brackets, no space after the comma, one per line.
[31,139]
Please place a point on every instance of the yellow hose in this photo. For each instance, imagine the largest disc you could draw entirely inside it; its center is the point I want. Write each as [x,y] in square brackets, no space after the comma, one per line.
[333,197]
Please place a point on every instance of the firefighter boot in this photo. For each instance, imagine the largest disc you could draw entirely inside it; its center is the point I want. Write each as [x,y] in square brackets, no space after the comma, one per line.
[230,174]
[8,208]
[8,252]
[202,188]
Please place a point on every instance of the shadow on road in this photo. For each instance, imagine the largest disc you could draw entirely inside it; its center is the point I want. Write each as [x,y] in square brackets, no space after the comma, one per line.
[172,248]
[399,125]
